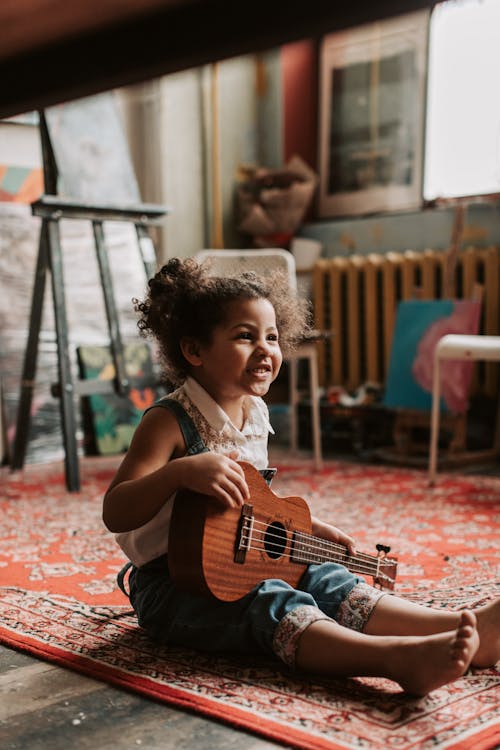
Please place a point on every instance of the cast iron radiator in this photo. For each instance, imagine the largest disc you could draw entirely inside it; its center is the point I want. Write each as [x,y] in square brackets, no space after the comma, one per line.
[356,297]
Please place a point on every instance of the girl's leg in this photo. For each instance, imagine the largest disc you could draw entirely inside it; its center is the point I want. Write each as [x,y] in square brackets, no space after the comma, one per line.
[418,663]
[395,616]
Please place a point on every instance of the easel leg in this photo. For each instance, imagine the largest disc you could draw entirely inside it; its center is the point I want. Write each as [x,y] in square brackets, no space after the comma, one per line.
[31,355]
[64,365]
[121,379]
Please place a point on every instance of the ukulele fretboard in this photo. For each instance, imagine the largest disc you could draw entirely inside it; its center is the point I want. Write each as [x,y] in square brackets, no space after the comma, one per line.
[308,549]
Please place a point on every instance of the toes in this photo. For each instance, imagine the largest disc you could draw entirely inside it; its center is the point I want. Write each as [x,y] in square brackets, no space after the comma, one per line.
[465,632]
[463,640]
[459,650]
[466,626]
[467,618]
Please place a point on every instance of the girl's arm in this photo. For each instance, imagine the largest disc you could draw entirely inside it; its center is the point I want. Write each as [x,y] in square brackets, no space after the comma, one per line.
[155,467]
[327,531]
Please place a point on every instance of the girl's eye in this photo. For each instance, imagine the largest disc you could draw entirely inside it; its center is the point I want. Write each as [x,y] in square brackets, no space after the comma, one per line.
[245,335]
[272,337]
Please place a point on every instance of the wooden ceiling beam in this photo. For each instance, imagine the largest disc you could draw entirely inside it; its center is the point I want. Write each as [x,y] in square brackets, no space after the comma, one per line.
[54,50]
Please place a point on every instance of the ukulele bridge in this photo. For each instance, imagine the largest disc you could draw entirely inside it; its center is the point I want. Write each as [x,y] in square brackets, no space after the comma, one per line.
[244,534]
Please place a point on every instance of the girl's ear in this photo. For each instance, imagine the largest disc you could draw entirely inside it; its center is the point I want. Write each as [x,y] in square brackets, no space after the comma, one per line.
[190,348]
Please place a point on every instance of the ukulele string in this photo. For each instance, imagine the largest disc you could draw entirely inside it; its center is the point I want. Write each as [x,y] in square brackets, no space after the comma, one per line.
[365,563]
[308,544]
[305,544]
[360,568]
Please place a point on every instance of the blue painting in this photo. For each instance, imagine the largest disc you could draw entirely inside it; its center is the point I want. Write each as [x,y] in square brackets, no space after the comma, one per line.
[419,326]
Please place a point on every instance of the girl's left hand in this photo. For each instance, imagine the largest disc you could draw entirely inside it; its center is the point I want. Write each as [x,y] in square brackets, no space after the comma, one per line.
[333,534]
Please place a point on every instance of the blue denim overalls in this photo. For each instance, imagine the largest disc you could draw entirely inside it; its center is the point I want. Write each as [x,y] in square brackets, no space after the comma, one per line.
[247,625]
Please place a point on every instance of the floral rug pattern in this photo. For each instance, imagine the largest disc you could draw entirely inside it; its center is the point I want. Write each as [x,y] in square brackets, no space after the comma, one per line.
[59,601]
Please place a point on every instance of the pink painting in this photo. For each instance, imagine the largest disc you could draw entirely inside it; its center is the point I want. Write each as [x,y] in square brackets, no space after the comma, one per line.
[419,326]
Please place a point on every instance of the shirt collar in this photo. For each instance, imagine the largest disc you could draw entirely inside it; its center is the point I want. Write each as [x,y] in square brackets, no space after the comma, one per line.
[204,402]
[215,415]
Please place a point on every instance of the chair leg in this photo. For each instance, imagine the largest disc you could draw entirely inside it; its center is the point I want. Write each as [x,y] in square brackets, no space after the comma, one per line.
[496,439]
[293,364]
[315,411]
[434,421]
[294,401]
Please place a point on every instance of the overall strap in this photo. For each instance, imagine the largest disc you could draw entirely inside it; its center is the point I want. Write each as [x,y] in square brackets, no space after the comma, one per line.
[192,438]
[194,444]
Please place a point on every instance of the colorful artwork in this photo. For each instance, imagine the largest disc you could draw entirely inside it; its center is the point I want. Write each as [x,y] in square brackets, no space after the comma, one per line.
[110,420]
[21,172]
[419,326]
[20,184]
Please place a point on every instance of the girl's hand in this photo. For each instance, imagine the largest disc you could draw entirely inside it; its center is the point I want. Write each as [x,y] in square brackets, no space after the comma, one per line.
[327,531]
[217,476]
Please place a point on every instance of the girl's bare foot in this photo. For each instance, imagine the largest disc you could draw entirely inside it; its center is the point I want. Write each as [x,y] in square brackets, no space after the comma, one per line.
[429,662]
[488,627]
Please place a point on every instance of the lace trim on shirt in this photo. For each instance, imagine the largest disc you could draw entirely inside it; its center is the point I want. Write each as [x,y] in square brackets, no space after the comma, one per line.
[214,440]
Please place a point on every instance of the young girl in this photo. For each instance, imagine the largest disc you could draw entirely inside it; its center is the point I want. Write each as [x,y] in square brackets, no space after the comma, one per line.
[221,342]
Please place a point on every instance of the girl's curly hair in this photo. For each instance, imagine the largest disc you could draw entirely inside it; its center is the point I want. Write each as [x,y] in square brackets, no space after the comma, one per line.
[185,300]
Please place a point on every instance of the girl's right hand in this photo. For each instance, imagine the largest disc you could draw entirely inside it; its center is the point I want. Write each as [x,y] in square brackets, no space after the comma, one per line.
[218,476]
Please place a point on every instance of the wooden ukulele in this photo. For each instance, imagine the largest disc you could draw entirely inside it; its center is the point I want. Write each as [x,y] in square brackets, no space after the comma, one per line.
[226,552]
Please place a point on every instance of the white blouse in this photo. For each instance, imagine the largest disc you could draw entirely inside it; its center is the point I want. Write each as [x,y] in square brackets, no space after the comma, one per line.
[219,435]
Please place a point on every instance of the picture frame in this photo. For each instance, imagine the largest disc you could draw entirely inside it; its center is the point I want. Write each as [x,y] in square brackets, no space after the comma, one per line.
[372,83]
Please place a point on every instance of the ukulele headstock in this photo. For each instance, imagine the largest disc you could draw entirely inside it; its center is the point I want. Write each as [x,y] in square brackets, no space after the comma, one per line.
[385,574]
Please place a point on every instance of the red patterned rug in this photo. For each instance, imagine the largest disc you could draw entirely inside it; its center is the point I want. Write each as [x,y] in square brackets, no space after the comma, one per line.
[59,601]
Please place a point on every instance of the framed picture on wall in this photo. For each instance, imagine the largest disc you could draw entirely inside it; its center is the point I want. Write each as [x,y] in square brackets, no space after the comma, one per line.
[371,123]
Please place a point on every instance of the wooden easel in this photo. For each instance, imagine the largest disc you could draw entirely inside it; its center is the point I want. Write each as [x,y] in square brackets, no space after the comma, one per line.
[51,209]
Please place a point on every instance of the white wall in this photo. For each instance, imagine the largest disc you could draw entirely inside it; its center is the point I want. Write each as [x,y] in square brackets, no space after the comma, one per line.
[170,123]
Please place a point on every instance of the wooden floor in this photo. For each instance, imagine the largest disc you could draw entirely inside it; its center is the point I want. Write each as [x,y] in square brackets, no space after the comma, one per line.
[45,707]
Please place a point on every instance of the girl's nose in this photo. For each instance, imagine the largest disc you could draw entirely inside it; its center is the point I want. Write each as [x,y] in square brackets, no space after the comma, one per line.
[263,345]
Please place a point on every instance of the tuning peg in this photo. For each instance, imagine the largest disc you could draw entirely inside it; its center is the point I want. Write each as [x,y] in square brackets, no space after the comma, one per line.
[383,548]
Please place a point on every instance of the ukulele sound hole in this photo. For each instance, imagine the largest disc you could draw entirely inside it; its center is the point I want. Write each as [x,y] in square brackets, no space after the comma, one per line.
[275,540]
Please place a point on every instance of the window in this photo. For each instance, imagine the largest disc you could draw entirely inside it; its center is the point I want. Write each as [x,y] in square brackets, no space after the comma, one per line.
[462,150]
[410,111]
[372,117]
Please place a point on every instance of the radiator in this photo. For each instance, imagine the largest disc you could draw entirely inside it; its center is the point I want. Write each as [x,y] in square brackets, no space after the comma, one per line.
[356,298]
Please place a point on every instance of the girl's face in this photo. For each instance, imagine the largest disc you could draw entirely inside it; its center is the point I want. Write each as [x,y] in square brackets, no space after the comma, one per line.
[244,355]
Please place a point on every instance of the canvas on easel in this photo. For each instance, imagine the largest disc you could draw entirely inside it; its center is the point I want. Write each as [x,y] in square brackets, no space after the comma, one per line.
[91,151]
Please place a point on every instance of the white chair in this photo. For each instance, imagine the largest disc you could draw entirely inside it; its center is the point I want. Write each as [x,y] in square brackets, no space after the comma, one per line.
[265,262]
[460,347]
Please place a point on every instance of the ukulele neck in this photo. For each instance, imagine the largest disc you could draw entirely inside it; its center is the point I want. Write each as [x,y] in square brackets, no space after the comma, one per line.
[309,549]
